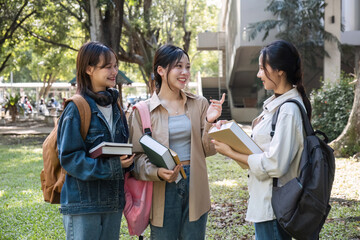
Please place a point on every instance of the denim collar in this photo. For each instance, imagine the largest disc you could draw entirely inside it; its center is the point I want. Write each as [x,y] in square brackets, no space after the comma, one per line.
[95,109]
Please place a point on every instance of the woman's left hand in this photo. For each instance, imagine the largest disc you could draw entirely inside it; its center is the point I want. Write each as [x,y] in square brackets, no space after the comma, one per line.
[222,148]
[126,161]
[215,109]
[226,150]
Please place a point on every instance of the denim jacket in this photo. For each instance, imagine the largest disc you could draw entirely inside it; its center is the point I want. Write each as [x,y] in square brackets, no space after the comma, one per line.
[91,185]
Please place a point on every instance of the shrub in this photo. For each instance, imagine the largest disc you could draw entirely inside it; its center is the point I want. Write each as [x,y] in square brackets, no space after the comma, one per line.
[332,105]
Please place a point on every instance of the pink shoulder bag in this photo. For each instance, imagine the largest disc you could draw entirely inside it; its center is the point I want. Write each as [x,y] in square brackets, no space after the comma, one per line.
[138,194]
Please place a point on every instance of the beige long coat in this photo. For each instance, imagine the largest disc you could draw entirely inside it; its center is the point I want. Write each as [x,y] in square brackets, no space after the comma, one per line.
[201,147]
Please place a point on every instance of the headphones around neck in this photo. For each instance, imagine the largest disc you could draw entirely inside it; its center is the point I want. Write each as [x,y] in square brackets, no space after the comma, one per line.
[110,96]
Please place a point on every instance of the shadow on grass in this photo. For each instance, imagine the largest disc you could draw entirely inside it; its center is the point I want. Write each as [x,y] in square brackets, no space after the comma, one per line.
[348,205]
[22,140]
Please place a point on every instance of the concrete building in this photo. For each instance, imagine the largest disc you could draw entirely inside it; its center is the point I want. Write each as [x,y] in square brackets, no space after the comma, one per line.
[239,55]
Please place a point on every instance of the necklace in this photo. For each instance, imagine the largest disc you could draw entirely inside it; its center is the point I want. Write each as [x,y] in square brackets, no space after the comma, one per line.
[172,110]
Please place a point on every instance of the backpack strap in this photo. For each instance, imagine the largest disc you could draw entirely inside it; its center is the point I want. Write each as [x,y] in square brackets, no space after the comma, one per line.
[144,112]
[84,111]
[306,122]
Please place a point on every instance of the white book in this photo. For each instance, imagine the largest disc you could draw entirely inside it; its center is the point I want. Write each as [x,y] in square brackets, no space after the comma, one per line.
[107,149]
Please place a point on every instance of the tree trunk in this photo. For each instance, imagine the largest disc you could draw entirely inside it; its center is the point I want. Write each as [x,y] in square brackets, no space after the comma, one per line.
[48,80]
[187,34]
[95,22]
[13,112]
[348,143]
[107,29]
[112,24]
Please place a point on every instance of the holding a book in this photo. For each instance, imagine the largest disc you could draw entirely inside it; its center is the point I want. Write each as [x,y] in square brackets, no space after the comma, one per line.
[280,71]
[179,121]
[92,197]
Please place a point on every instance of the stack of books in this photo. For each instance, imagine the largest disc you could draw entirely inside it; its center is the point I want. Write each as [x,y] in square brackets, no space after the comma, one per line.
[109,149]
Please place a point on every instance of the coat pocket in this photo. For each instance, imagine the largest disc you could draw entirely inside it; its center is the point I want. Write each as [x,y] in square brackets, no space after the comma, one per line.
[94,136]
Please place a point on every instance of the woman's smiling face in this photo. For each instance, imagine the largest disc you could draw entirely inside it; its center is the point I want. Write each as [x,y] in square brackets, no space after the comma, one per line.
[103,76]
[179,75]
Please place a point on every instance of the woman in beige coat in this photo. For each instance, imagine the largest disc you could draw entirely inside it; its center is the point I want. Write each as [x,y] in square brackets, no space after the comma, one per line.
[181,121]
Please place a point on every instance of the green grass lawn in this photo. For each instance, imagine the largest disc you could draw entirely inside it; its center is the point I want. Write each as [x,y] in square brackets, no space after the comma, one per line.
[24,214]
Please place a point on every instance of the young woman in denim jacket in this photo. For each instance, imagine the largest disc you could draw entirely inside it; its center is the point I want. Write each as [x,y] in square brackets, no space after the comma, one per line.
[179,120]
[92,197]
[279,70]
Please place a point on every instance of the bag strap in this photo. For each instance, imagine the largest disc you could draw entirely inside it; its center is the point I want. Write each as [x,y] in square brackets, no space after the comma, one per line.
[144,112]
[84,111]
[306,122]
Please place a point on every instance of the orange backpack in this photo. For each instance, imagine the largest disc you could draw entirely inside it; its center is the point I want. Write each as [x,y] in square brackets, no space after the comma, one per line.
[53,175]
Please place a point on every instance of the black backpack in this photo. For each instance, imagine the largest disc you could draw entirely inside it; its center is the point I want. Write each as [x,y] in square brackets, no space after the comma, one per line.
[302,205]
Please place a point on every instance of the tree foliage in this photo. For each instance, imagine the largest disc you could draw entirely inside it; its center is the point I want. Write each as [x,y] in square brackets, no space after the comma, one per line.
[13,14]
[145,25]
[134,29]
[332,105]
[44,46]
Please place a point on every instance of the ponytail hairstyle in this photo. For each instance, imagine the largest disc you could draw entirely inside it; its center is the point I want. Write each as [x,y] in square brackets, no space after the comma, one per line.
[283,56]
[89,55]
[167,56]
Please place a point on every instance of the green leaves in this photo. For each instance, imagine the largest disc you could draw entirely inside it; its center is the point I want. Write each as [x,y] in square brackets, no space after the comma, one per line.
[40,45]
[47,42]
[331,105]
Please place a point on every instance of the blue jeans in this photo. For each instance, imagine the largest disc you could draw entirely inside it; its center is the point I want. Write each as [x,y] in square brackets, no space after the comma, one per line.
[270,230]
[176,214]
[93,226]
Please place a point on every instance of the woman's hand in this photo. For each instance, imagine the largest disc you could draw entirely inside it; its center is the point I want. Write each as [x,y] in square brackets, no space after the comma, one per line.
[169,175]
[222,148]
[219,123]
[215,109]
[226,150]
[126,161]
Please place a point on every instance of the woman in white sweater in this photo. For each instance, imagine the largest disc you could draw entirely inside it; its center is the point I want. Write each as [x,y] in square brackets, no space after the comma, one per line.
[280,71]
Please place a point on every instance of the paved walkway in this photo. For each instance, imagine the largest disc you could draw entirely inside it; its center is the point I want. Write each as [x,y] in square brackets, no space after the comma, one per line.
[25,127]
[13,130]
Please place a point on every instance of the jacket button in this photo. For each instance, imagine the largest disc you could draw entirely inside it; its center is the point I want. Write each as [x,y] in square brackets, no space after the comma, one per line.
[117,132]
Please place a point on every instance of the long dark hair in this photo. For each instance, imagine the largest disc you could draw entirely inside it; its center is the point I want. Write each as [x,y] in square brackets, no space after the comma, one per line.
[89,55]
[167,56]
[283,56]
